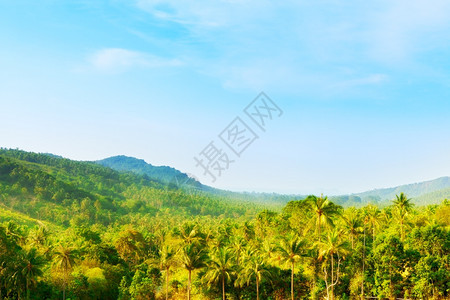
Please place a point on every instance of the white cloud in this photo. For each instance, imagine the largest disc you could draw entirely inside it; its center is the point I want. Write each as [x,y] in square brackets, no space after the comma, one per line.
[117,60]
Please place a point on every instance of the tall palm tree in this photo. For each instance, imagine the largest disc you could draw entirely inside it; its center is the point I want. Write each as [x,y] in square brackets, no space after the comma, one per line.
[167,260]
[403,207]
[220,268]
[289,252]
[30,268]
[352,224]
[329,250]
[254,268]
[324,210]
[193,257]
[372,218]
[64,260]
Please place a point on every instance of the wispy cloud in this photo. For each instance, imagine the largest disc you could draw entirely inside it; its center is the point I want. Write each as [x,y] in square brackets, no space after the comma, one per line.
[292,44]
[119,60]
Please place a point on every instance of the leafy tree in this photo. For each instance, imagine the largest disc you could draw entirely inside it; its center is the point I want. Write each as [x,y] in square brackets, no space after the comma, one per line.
[130,245]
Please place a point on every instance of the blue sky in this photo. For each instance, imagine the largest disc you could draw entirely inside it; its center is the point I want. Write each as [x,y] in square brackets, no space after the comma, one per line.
[364,86]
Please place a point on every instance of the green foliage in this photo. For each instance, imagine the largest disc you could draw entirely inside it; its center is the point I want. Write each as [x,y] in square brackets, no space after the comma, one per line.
[79,230]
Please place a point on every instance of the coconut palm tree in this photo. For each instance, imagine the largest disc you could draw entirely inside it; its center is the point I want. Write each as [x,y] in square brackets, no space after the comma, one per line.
[39,236]
[238,246]
[29,268]
[352,224]
[64,260]
[289,252]
[403,207]
[324,210]
[254,268]
[189,233]
[372,218]
[167,260]
[220,268]
[331,252]
[193,257]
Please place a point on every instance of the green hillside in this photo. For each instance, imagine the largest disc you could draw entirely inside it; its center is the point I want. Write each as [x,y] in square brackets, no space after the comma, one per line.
[165,174]
[61,190]
[412,190]
[422,193]
[79,230]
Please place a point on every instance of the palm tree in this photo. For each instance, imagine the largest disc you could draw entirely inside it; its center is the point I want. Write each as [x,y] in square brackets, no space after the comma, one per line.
[254,267]
[220,268]
[324,210]
[372,217]
[403,206]
[193,257]
[167,260]
[30,268]
[64,259]
[329,250]
[39,236]
[238,244]
[189,233]
[290,251]
[352,224]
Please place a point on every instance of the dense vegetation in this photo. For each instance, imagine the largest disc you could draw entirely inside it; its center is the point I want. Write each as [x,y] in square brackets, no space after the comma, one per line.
[82,231]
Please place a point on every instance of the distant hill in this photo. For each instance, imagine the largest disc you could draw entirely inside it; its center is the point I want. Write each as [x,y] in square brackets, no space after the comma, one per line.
[177,179]
[421,193]
[165,174]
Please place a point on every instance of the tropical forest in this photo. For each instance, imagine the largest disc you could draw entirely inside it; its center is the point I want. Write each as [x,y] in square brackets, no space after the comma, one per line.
[83,230]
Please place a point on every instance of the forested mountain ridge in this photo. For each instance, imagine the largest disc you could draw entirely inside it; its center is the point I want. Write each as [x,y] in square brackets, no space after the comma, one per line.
[164,174]
[57,189]
[413,190]
[177,179]
[421,193]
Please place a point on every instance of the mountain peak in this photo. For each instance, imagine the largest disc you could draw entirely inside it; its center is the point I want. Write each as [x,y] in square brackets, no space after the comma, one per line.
[164,174]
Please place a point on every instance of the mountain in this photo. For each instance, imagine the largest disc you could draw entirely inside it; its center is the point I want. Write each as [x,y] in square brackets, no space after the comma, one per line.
[177,179]
[67,192]
[165,174]
[124,184]
[421,193]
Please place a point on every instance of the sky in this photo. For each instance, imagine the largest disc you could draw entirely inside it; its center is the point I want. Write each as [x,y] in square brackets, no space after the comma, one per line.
[361,87]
